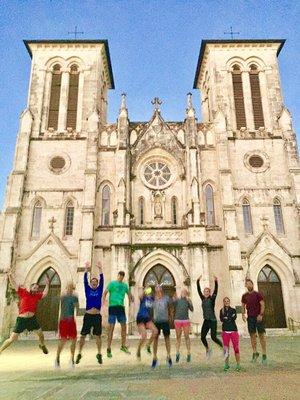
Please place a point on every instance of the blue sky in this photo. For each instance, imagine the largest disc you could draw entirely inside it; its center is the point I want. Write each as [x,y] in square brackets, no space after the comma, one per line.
[154,47]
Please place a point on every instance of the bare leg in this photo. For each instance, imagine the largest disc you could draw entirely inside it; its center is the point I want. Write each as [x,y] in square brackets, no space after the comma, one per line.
[81,343]
[155,345]
[263,342]
[186,332]
[237,357]
[72,349]
[123,334]
[41,337]
[60,346]
[99,344]
[143,338]
[178,339]
[13,337]
[110,335]
[253,342]
[168,346]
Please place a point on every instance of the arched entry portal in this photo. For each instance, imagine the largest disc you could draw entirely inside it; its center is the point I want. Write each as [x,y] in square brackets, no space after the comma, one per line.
[160,275]
[48,308]
[270,286]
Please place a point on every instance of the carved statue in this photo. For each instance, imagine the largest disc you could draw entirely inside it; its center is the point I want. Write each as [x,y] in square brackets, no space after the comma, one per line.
[157,207]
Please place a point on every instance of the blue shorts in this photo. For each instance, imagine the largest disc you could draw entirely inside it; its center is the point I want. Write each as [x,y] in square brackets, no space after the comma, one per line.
[116,313]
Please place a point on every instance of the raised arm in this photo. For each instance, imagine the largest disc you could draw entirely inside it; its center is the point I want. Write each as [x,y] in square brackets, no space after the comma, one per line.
[215,292]
[101,277]
[46,290]
[87,268]
[12,281]
[199,288]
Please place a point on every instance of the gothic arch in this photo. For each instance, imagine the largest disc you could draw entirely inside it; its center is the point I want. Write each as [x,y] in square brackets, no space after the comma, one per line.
[36,199]
[75,61]
[256,61]
[236,61]
[159,256]
[55,60]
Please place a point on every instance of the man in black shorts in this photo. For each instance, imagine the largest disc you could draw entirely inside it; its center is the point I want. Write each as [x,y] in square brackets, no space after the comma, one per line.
[92,318]
[254,303]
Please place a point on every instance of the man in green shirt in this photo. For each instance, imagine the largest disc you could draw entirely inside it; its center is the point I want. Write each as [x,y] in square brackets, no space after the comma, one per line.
[116,310]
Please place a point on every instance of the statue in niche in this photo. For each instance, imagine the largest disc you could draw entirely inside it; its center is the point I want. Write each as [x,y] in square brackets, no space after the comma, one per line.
[157,207]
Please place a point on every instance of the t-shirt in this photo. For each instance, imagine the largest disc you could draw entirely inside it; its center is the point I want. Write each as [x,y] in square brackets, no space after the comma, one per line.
[146,305]
[68,303]
[28,301]
[252,301]
[182,307]
[117,291]
[93,296]
[161,309]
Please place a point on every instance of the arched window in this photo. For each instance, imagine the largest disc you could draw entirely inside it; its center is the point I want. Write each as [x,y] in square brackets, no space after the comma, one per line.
[210,209]
[141,211]
[69,219]
[238,95]
[36,220]
[174,210]
[54,97]
[105,205]
[256,97]
[247,217]
[73,97]
[278,216]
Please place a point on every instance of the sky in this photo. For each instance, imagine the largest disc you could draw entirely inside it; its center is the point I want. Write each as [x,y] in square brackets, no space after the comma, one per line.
[154,47]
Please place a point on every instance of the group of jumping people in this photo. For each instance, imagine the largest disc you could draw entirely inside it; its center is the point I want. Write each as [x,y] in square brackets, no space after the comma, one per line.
[153,315]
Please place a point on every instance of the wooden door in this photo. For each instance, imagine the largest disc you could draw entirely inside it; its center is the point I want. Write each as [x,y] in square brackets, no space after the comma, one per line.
[270,287]
[48,307]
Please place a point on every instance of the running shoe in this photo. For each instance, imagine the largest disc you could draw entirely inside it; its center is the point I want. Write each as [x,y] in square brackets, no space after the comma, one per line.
[226,367]
[148,348]
[177,357]
[208,353]
[188,358]
[169,362]
[99,358]
[238,367]
[138,354]
[78,358]
[108,353]
[43,348]
[125,349]
[56,364]
[254,357]
[154,363]
[264,359]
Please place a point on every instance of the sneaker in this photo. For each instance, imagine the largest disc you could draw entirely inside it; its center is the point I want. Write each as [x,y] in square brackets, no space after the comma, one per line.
[125,349]
[177,357]
[188,358]
[78,358]
[148,348]
[208,353]
[169,362]
[138,354]
[226,367]
[264,359]
[108,353]
[254,357]
[238,367]
[99,358]
[71,364]
[154,363]
[56,364]
[44,349]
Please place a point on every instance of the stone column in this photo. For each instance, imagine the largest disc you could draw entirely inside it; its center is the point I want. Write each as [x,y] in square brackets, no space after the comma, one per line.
[63,103]
[248,101]
[80,101]
[265,101]
[46,101]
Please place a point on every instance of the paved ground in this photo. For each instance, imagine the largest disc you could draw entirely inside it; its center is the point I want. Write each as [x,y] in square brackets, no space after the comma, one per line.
[27,374]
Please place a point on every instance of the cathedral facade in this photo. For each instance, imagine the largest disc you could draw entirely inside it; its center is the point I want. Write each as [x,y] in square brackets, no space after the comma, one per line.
[164,201]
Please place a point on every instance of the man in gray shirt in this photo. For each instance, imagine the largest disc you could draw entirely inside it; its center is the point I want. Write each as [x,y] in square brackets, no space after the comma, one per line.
[67,324]
[161,314]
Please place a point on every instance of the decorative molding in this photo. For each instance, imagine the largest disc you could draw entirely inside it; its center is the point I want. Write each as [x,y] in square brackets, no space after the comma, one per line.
[159,236]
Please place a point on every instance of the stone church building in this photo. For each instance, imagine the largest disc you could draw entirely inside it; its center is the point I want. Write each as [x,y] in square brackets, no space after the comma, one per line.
[163,201]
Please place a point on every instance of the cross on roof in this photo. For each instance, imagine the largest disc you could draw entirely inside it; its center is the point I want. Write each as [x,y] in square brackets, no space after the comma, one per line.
[51,223]
[231,33]
[156,103]
[76,32]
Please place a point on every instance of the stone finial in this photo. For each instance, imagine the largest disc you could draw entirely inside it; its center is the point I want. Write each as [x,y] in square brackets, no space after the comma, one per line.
[285,120]
[51,223]
[190,111]
[156,104]
[26,120]
[220,122]
[123,109]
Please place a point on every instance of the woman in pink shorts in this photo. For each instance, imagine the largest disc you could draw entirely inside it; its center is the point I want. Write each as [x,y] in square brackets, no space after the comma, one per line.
[182,306]
[229,333]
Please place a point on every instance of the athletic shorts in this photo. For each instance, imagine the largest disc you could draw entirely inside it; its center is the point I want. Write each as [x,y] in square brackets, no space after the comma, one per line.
[92,321]
[254,325]
[67,328]
[116,313]
[142,320]
[29,324]
[163,326]
[181,323]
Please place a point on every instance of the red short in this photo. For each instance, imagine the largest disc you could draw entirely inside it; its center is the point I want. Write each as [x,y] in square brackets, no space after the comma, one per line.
[67,329]
[181,323]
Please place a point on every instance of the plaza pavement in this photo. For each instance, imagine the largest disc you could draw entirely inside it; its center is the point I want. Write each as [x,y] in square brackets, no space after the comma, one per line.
[27,374]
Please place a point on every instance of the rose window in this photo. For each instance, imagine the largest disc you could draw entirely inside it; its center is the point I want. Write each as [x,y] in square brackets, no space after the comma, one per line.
[157,174]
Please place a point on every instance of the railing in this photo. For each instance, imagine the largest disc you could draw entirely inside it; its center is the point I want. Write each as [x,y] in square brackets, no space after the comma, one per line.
[293,325]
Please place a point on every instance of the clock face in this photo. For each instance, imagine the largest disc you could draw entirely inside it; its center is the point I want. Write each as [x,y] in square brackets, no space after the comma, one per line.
[157,174]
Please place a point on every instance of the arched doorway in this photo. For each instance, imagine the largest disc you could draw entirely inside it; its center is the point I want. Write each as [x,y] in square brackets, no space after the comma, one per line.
[160,275]
[48,308]
[270,286]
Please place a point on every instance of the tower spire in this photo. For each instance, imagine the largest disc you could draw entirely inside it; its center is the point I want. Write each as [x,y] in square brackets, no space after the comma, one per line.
[190,111]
